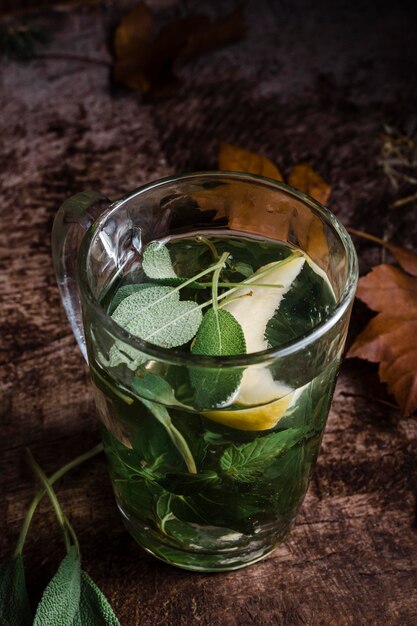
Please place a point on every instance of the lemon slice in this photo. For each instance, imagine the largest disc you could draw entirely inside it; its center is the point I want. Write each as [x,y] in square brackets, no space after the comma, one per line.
[261,417]
[264,399]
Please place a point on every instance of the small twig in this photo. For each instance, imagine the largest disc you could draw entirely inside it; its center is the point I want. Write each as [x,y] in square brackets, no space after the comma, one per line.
[403,201]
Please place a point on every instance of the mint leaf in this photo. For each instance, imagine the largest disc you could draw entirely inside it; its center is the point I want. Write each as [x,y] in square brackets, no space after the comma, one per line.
[157,262]
[156,315]
[246,462]
[188,484]
[219,335]
[14,602]
[94,608]
[60,600]
[124,292]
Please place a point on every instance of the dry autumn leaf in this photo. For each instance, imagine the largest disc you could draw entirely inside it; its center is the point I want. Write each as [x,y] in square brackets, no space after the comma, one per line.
[237,159]
[304,178]
[390,338]
[285,216]
[148,63]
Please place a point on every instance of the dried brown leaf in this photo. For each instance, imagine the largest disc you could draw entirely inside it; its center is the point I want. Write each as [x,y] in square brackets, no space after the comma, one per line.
[390,338]
[405,257]
[304,178]
[213,35]
[235,159]
[133,33]
[148,65]
[283,217]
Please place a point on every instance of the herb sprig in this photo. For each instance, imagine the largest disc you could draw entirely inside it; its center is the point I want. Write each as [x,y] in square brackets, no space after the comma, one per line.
[71,598]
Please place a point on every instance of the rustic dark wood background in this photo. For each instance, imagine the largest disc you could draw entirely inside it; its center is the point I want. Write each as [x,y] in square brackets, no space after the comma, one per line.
[310,82]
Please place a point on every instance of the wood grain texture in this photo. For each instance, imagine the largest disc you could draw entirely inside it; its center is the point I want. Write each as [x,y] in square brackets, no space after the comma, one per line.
[298,88]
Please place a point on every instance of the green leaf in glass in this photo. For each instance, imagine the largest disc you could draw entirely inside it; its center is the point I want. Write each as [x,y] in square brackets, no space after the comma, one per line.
[156,315]
[157,262]
[246,462]
[219,335]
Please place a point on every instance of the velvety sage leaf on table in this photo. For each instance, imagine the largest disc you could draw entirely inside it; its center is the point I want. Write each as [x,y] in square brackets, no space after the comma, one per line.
[245,462]
[219,335]
[15,608]
[157,262]
[94,608]
[156,315]
[60,600]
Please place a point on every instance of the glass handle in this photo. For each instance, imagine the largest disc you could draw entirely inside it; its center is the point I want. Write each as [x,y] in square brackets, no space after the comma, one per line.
[74,217]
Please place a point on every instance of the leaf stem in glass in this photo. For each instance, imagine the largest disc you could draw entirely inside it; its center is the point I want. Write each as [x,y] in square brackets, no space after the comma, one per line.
[215,281]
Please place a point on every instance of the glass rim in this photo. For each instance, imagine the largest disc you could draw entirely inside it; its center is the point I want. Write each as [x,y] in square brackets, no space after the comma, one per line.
[178,357]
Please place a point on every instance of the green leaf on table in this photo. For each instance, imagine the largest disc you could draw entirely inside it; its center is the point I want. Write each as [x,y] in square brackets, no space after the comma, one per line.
[124,292]
[156,315]
[220,334]
[246,462]
[61,599]
[94,608]
[15,608]
[156,262]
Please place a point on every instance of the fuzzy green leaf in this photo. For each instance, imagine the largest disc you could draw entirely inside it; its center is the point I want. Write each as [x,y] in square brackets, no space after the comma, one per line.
[14,602]
[156,315]
[157,262]
[156,389]
[124,292]
[243,268]
[94,608]
[246,462]
[61,598]
[219,335]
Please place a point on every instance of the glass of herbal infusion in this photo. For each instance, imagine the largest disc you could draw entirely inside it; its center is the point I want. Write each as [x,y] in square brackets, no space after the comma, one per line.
[212,309]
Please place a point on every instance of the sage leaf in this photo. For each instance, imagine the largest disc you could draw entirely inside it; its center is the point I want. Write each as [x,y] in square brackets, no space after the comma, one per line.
[60,600]
[176,437]
[15,607]
[156,315]
[243,268]
[124,292]
[94,609]
[156,389]
[157,262]
[220,334]
[159,316]
[246,462]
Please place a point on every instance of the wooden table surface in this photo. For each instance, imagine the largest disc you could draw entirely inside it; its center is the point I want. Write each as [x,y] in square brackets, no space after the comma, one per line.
[304,85]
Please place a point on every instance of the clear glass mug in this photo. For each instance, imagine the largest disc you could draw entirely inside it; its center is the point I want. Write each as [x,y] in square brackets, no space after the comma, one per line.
[172,465]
